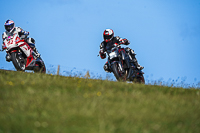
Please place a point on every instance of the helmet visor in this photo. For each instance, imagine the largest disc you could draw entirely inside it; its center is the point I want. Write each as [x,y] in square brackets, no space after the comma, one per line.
[107,37]
[9,27]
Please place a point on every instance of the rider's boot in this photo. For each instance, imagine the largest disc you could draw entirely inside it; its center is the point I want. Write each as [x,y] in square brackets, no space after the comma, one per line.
[134,60]
[31,43]
[138,66]
[36,52]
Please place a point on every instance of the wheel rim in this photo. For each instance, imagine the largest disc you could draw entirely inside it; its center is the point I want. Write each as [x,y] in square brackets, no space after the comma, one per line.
[121,75]
[20,61]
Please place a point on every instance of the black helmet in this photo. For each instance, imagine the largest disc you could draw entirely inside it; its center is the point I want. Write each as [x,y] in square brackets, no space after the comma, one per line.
[108,34]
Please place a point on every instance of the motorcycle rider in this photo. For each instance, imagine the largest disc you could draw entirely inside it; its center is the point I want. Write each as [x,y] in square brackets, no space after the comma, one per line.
[111,41]
[11,30]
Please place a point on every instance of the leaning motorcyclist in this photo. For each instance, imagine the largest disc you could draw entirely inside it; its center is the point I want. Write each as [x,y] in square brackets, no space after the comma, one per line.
[111,41]
[11,30]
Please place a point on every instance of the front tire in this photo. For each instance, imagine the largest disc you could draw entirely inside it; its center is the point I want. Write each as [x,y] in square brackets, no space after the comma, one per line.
[115,71]
[118,75]
[18,61]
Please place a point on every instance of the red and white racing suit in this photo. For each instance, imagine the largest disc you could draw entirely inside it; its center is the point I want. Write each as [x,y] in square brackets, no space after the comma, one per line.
[23,35]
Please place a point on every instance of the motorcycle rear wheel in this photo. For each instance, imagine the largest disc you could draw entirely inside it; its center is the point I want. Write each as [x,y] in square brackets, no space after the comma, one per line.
[43,69]
[18,61]
[141,80]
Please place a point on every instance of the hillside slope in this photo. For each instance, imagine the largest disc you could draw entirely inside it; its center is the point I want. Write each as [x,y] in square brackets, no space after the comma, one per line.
[31,102]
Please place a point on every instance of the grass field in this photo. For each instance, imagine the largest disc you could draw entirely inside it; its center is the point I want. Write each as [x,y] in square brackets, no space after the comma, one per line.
[39,103]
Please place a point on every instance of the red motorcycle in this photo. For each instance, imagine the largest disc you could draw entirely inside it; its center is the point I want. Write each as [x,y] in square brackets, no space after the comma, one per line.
[21,55]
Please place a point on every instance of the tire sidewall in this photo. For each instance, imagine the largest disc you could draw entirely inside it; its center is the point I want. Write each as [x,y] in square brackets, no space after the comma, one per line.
[15,62]
[115,70]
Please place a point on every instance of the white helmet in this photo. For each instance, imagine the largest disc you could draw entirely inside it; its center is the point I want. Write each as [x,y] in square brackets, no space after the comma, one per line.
[9,25]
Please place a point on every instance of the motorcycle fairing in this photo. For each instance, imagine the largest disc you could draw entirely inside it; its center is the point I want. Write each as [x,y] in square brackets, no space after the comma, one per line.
[10,42]
[113,55]
[25,48]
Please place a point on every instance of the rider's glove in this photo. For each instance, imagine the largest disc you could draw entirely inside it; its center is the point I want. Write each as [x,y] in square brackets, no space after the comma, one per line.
[102,54]
[26,33]
[3,47]
[125,42]
[23,34]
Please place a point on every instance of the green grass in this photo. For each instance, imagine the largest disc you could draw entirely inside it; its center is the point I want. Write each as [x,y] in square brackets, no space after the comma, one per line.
[39,103]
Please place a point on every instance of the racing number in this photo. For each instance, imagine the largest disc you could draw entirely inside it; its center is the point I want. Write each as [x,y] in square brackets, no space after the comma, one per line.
[10,42]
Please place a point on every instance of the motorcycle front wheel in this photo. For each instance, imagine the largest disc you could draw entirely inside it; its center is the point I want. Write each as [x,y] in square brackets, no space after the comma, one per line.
[18,61]
[118,75]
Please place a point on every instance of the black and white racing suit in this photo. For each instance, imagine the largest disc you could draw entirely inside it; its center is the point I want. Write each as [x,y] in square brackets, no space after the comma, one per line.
[107,46]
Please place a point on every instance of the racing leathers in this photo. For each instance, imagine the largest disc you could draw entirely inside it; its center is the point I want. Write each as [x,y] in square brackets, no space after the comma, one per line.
[23,35]
[105,47]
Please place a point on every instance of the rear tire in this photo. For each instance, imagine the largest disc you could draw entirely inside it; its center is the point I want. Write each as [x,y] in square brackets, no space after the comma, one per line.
[40,68]
[142,80]
[43,69]
[18,61]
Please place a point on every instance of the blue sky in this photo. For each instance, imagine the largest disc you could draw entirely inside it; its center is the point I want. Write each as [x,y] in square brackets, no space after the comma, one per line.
[165,34]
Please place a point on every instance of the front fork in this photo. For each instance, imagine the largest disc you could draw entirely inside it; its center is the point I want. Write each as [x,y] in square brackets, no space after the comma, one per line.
[125,59]
[121,67]
[121,62]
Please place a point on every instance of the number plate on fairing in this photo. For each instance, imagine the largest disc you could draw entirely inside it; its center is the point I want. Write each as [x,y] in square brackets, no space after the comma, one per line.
[113,55]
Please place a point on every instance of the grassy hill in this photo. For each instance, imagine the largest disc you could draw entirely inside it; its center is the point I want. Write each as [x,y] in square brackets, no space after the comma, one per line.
[39,103]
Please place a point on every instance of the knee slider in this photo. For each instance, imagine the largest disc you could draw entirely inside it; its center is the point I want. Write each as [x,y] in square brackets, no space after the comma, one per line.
[106,68]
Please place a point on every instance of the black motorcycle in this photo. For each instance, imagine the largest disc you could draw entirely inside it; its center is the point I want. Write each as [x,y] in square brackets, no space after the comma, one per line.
[124,70]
